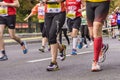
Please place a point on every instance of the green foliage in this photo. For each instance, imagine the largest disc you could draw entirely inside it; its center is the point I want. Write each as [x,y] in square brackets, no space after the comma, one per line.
[24,9]
[27,5]
[114,4]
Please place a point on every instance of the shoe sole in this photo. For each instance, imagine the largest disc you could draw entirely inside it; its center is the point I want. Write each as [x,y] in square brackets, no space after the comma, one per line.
[4,59]
[73,54]
[56,69]
[96,70]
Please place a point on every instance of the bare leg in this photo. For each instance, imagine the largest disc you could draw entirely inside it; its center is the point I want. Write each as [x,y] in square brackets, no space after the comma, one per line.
[54,51]
[13,36]
[17,39]
[2,46]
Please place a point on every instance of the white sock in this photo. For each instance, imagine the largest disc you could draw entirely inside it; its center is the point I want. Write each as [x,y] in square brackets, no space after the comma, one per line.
[75,42]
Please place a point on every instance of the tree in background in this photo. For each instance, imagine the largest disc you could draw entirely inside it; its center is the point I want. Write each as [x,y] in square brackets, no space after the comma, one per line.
[24,10]
[114,4]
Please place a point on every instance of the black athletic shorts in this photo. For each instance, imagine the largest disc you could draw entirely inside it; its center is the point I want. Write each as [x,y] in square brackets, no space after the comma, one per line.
[41,25]
[96,11]
[74,23]
[9,21]
[118,26]
[53,24]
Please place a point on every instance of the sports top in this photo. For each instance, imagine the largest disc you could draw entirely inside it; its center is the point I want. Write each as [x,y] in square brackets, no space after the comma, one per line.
[72,7]
[40,11]
[10,10]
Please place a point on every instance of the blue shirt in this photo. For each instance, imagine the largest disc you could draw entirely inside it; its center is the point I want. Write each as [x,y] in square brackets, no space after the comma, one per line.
[118,17]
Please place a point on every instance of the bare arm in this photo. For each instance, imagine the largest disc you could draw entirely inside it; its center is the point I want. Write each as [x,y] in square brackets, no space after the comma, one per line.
[28,17]
[14,4]
[83,6]
[116,9]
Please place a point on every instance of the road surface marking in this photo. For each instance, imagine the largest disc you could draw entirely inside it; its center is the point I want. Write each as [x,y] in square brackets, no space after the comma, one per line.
[39,60]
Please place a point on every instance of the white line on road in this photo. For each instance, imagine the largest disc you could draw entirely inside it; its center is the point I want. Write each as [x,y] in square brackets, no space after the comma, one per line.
[39,60]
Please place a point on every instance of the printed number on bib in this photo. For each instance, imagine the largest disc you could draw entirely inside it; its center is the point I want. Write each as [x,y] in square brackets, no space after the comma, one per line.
[41,11]
[53,8]
[71,14]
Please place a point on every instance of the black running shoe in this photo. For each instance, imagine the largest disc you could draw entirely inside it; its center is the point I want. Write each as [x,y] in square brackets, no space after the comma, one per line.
[3,58]
[104,50]
[52,67]
[63,53]
[42,49]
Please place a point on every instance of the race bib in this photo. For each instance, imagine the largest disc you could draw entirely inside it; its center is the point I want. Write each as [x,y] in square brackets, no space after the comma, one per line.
[113,20]
[71,14]
[41,11]
[3,11]
[54,8]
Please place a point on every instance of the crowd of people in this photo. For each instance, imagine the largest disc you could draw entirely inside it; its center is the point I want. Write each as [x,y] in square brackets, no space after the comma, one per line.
[113,22]
[80,19]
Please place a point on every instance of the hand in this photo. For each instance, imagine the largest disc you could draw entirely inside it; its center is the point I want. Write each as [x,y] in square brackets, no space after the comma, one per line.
[45,1]
[58,1]
[117,7]
[79,10]
[3,4]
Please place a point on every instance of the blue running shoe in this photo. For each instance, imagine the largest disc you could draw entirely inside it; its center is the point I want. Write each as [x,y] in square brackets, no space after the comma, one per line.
[80,45]
[74,52]
[24,47]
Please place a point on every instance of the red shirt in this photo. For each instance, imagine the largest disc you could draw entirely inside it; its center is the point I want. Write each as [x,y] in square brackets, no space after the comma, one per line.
[113,18]
[11,10]
[74,6]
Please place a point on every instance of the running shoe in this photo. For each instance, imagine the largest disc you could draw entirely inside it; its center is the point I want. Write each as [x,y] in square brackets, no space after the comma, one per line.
[52,67]
[104,50]
[3,58]
[85,46]
[42,49]
[74,52]
[80,45]
[49,48]
[63,53]
[91,43]
[95,68]
[24,47]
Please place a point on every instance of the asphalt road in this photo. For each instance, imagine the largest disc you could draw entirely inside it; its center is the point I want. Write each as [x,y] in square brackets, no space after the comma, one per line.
[32,66]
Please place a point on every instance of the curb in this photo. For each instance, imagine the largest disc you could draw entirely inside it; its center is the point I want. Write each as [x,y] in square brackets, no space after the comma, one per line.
[28,40]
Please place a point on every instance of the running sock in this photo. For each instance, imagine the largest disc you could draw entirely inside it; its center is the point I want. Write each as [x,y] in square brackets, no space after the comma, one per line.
[78,37]
[3,52]
[75,39]
[22,43]
[97,48]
